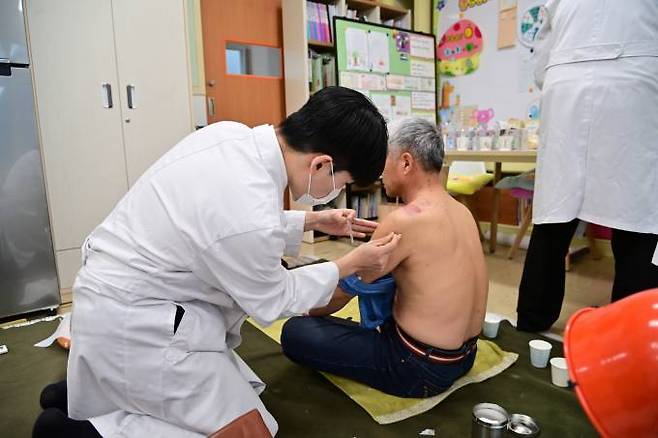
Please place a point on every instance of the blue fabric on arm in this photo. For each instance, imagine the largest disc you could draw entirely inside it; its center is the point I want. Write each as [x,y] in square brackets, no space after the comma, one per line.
[375,299]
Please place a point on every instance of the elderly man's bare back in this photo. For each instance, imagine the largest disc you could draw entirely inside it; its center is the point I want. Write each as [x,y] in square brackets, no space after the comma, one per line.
[441,274]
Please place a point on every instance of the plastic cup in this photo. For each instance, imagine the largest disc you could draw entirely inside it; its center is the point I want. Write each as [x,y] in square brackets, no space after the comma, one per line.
[540,351]
[559,372]
[491,325]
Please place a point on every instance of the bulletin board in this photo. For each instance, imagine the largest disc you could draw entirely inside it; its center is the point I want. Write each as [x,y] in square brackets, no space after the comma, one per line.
[395,68]
[495,80]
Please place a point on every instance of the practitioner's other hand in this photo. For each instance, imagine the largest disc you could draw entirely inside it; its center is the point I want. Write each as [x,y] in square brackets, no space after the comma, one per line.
[370,260]
[339,222]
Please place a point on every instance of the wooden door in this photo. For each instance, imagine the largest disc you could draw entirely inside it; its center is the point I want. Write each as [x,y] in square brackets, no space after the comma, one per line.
[74,65]
[246,98]
[151,46]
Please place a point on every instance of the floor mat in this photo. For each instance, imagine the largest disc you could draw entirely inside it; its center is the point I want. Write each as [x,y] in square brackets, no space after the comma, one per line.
[385,409]
[304,403]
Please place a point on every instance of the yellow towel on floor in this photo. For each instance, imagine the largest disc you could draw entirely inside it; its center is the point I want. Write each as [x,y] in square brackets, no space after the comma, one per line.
[383,408]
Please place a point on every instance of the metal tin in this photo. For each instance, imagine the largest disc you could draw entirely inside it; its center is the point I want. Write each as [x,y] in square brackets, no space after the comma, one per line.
[489,421]
[522,426]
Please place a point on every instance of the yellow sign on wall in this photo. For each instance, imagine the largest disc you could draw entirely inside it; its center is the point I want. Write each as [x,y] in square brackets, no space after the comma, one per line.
[465,4]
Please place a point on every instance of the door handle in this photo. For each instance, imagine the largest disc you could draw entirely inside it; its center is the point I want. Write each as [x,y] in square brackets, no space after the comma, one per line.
[5,67]
[211,106]
[106,95]
[130,91]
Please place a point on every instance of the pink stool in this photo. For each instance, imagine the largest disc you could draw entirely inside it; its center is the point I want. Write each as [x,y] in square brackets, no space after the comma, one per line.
[527,219]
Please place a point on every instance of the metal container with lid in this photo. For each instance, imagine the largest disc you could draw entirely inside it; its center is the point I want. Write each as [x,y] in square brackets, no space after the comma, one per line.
[489,421]
[522,426]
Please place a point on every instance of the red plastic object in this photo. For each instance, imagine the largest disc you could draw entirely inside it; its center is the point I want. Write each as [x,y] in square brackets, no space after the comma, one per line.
[601,232]
[612,356]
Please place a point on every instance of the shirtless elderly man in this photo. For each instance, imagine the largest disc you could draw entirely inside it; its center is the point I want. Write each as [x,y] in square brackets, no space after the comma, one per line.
[440,274]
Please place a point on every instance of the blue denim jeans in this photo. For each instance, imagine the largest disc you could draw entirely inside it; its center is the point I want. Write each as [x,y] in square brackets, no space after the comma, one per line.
[376,358]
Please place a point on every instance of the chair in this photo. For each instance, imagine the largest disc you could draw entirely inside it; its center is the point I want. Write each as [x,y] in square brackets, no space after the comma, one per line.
[525,221]
[522,187]
[464,179]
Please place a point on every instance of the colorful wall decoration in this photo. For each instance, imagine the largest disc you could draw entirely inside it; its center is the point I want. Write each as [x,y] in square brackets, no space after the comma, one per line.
[483,117]
[465,4]
[459,49]
[501,79]
[532,20]
[534,110]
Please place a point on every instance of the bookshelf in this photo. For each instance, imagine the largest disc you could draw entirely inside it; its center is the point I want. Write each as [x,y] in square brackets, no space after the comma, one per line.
[320,45]
[297,45]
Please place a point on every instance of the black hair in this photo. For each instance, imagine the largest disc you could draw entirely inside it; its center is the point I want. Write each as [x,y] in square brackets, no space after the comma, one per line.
[344,124]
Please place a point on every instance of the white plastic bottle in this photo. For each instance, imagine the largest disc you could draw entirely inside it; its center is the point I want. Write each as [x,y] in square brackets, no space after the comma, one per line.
[462,140]
[449,137]
[484,139]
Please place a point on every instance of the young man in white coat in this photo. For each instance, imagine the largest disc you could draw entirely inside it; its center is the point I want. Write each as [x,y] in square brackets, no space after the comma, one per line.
[598,157]
[195,248]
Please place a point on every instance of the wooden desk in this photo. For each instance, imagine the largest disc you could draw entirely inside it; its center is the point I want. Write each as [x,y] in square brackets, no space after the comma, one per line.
[498,158]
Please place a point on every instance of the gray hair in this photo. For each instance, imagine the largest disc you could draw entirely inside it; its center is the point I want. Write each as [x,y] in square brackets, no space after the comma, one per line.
[421,139]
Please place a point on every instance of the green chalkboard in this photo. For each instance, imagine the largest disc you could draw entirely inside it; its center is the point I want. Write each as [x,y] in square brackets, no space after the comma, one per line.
[382,62]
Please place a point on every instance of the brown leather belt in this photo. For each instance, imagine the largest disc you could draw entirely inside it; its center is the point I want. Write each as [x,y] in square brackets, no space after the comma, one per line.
[435,354]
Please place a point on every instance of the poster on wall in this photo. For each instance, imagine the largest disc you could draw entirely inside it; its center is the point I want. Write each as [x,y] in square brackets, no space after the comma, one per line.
[402,44]
[383,104]
[402,107]
[395,82]
[423,101]
[422,47]
[507,28]
[356,46]
[459,49]
[378,57]
[423,69]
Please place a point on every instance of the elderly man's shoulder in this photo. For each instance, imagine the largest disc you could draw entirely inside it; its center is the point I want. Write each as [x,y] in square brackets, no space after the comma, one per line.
[400,218]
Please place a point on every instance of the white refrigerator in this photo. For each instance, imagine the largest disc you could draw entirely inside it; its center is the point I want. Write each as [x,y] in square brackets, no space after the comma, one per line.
[28,276]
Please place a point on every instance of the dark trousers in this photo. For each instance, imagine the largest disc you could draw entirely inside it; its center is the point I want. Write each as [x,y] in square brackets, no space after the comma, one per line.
[376,358]
[54,422]
[542,285]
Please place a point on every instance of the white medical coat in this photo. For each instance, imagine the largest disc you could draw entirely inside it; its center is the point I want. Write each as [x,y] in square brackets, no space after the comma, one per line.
[203,228]
[598,155]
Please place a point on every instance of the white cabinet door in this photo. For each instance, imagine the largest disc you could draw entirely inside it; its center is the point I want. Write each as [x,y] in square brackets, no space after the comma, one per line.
[73,55]
[151,43]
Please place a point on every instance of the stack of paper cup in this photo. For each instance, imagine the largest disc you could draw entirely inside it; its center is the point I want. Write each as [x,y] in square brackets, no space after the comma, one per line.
[559,373]
[540,351]
[491,325]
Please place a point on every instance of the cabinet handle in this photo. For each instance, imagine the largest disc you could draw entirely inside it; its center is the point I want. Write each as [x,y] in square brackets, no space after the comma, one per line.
[106,95]
[130,91]
[211,106]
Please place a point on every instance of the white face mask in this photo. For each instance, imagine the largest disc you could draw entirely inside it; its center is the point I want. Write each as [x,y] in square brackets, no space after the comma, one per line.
[308,199]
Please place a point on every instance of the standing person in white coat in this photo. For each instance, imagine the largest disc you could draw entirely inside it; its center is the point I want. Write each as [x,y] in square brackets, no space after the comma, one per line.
[598,155]
[195,248]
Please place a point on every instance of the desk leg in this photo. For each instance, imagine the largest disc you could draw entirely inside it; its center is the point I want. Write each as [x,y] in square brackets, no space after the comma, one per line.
[493,232]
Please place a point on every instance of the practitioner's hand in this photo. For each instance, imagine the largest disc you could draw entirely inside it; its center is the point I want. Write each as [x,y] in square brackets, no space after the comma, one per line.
[339,222]
[370,259]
